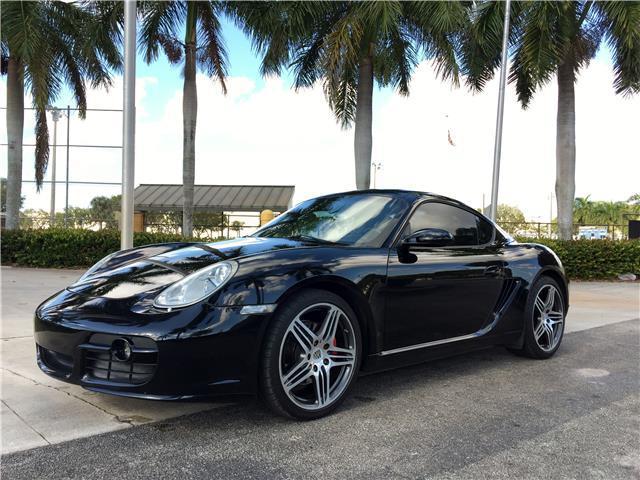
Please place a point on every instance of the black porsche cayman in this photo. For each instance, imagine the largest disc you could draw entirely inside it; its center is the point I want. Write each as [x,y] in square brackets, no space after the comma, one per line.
[339,285]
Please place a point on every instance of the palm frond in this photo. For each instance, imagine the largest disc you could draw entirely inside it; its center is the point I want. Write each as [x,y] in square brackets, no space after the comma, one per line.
[481,41]
[42,146]
[276,28]
[307,53]
[161,20]
[525,82]
[384,16]
[212,56]
[437,28]
[395,60]
[342,47]
[341,94]
[620,24]
[102,35]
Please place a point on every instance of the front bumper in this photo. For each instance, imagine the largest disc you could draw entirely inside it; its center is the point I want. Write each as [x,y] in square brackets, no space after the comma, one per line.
[216,354]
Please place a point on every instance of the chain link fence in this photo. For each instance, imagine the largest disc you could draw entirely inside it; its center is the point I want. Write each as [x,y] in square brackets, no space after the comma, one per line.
[580,230]
[213,225]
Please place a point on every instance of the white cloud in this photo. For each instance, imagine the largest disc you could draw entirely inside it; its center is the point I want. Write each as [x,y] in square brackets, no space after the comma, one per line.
[273,135]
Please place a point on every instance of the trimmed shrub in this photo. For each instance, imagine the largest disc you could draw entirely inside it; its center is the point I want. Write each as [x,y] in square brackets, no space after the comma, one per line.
[68,248]
[595,259]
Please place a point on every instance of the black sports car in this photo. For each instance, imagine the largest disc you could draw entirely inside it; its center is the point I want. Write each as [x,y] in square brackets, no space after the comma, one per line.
[341,284]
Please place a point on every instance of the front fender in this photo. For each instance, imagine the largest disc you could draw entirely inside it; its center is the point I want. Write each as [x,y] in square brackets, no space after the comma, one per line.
[355,274]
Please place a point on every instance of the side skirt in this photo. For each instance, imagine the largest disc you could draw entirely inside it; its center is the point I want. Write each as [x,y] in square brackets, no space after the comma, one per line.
[379,362]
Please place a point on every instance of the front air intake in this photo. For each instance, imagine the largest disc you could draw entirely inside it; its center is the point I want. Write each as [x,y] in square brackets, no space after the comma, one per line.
[105,364]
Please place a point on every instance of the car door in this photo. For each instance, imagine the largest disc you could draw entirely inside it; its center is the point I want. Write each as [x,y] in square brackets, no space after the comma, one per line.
[436,294]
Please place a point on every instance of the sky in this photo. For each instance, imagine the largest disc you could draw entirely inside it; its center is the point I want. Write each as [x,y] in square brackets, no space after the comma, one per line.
[263,132]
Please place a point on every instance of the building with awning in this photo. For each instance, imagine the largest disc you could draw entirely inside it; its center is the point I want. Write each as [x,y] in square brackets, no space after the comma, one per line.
[238,203]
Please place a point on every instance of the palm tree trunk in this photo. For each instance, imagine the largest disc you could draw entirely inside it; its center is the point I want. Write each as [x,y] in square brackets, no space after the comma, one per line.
[363,139]
[189,114]
[566,147]
[15,129]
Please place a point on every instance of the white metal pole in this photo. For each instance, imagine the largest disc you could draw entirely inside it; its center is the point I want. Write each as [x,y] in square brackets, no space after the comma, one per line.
[66,183]
[129,124]
[497,150]
[52,211]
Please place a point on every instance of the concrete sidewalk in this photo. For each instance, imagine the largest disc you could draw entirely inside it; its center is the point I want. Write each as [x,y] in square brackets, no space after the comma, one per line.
[38,410]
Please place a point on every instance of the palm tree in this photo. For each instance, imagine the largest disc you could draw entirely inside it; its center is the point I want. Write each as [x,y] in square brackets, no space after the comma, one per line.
[351,45]
[548,39]
[203,47]
[45,46]
[581,209]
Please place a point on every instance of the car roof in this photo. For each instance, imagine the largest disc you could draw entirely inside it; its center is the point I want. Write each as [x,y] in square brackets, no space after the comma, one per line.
[412,196]
[409,194]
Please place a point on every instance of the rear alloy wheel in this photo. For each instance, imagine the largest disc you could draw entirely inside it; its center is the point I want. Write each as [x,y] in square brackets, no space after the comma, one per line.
[548,318]
[544,322]
[312,354]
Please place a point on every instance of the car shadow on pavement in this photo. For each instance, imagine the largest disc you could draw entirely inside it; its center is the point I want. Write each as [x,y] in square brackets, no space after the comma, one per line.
[423,379]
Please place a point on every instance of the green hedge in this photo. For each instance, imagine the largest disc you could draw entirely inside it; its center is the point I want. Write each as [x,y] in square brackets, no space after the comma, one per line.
[595,259]
[60,248]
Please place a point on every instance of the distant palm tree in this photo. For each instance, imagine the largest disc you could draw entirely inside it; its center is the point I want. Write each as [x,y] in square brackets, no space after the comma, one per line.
[581,209]
[46,46]
[351,45]
[556,39]
[163,23]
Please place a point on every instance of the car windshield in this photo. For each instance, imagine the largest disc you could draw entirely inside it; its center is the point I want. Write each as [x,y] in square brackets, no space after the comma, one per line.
[363,220]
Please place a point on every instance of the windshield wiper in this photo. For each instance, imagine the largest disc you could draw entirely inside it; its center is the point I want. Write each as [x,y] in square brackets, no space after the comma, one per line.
[321,241]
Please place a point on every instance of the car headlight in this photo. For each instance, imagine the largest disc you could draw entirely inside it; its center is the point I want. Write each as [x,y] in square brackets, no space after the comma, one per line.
[197,286]
[96,267]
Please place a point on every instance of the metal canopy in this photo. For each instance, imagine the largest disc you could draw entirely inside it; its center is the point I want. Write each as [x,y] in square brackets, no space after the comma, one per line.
[215,198]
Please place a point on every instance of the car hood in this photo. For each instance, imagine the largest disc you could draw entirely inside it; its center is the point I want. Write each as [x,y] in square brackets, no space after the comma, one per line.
[133,272]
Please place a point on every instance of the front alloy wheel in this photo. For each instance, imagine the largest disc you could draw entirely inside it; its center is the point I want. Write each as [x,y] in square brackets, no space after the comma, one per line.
[317,356]
[312,354]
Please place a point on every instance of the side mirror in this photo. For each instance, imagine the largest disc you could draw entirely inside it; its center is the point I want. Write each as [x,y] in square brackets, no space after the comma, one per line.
[429,237]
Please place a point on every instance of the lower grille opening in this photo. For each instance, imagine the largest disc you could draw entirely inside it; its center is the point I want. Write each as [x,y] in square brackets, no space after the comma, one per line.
[101,364]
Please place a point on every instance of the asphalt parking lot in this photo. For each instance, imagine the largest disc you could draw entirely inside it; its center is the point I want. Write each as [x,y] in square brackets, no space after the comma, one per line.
[483,415]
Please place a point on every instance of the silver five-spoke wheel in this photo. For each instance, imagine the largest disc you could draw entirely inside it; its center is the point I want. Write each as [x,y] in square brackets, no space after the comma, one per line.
[548,317]
[317,356]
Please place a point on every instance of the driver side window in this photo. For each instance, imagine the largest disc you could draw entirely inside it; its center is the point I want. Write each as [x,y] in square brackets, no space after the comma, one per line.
[466,227]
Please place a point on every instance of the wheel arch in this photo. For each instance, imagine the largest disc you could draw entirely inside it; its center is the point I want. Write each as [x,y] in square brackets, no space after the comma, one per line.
[346,290]
[551,272]
[559,278]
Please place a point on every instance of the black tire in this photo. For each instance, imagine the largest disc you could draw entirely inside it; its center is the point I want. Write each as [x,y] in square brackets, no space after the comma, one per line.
[271,386]
[531,348]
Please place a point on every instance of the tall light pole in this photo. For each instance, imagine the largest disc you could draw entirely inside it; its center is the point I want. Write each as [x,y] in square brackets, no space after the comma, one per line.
[129,124]
[376,166]
[66,183]
[56,114]
[497,149]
